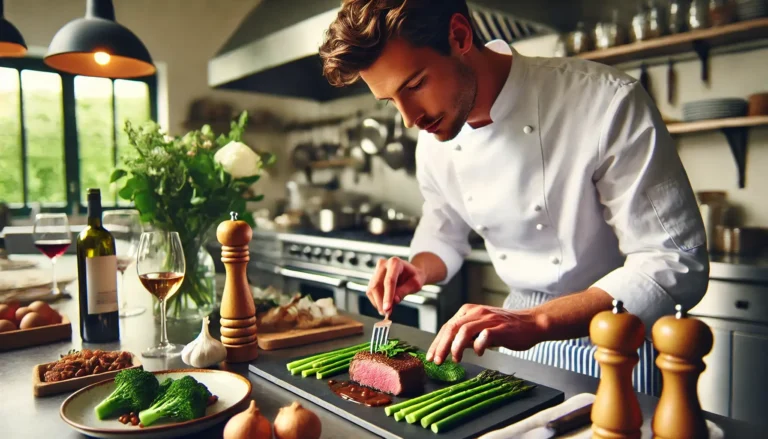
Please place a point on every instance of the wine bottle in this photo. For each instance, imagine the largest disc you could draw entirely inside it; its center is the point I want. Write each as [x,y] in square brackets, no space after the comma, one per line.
[97,277]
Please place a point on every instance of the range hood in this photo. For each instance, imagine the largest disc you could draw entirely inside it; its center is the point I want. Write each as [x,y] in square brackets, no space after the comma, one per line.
[275,48]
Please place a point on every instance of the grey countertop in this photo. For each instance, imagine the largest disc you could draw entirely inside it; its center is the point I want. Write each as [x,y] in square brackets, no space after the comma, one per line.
[26,416]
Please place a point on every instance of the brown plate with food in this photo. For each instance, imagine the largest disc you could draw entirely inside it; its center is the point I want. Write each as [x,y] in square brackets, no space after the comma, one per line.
[79,369]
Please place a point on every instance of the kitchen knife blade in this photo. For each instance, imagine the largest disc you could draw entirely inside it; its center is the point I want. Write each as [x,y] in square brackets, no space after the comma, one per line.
[560,426]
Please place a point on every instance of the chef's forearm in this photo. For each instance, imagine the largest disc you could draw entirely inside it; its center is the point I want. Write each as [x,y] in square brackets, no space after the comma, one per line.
[569,316]
[432,267]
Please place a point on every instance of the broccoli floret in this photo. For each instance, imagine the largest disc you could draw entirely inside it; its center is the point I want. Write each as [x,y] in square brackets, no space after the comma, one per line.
[135,389]
[163,388]
[185,399]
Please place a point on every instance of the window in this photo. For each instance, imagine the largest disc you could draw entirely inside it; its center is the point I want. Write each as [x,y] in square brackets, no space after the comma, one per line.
[61,134]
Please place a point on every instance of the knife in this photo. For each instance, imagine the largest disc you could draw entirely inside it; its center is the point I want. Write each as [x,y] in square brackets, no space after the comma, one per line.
[560,426]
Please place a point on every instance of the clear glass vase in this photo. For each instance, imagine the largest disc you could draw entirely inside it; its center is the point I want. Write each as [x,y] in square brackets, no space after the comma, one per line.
[197,296]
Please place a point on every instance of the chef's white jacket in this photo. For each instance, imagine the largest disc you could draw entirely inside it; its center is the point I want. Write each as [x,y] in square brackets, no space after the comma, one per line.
[576,183]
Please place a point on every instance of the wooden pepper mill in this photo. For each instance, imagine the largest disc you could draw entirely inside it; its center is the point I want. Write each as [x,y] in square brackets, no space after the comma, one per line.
[238,312]
[618,335]
[682,343]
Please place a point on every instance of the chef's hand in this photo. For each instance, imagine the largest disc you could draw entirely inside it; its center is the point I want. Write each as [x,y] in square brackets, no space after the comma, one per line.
[483,327]
[393,280]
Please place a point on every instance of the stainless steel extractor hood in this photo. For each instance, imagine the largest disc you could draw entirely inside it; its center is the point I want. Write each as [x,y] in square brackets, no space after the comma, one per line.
[275,48]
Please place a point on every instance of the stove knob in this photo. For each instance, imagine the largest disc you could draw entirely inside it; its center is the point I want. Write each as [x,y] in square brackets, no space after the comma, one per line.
[339,256]
[294,250]
[327,254]
[307,251]
[352,258]
[368,261]
[317,252]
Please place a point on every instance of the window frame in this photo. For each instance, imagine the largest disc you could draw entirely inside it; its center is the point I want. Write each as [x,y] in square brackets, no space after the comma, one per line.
[71,143]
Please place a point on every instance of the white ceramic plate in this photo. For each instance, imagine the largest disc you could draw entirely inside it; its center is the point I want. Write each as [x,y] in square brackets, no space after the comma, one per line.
[233,390]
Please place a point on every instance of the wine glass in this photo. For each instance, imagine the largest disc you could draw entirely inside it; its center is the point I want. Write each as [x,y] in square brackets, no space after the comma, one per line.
[53,237]
[160,265]
[125,227]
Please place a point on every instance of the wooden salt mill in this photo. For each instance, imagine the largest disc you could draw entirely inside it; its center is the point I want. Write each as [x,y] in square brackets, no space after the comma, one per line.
[682,343]
[618,335]
[238,312]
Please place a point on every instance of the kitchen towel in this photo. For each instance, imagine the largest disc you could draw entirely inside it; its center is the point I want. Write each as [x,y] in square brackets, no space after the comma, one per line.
[575,402]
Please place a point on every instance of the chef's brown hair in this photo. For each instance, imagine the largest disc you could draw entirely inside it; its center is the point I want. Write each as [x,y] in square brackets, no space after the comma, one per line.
[357,36]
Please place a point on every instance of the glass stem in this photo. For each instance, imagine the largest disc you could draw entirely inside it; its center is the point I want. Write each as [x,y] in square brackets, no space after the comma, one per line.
[53,275]
[123,301]
[163,334]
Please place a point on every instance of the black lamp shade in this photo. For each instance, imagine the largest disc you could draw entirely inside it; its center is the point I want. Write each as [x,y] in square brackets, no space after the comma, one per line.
[74,47]
[11,42]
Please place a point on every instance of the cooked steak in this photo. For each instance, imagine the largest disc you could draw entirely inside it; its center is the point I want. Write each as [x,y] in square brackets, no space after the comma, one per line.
[402,374]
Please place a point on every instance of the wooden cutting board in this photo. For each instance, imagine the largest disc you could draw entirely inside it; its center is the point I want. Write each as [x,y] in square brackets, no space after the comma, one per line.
[298,337]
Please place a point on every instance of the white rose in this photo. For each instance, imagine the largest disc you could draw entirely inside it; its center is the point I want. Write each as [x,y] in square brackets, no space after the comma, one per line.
[238,160]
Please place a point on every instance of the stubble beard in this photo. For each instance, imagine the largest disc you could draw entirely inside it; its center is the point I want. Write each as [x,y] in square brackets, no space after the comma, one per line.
[464,101]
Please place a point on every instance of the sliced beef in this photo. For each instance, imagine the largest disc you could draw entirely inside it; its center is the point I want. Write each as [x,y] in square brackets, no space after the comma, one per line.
[402,374]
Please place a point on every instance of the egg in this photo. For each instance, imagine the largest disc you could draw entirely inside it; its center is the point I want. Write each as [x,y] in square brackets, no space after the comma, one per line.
[21,312]
[7,325]
[33,320]
[44,309]
[7,313]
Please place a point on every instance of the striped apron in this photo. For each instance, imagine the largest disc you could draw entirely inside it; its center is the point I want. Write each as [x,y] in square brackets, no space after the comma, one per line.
[578,355]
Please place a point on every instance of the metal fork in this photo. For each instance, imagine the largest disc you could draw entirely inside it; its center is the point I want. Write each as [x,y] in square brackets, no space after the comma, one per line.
[380,334]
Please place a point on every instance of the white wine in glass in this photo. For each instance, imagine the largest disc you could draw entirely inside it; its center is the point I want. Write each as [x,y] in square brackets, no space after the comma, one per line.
[125,226]
[160,265]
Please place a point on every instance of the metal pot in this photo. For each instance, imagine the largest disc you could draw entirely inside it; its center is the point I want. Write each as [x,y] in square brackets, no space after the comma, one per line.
[329,220]
[400,152]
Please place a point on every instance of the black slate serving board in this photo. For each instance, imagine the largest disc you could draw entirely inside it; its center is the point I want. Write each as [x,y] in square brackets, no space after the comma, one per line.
[376,421]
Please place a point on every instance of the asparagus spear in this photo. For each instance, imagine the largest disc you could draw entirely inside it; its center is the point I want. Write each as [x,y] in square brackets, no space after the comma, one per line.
[483,376]
[303,361]
[330,366]
[458,405]
[479,408]
[442,402]
[331,372]
[333,359]
[401,414]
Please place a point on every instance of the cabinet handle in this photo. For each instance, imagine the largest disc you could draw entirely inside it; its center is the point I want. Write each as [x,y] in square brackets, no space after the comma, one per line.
[742,304]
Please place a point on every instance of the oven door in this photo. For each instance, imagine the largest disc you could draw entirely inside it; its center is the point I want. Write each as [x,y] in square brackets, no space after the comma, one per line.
[315,285]
[415,310]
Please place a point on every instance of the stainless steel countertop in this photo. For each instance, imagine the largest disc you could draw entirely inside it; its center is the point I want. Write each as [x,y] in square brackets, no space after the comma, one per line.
[29,417]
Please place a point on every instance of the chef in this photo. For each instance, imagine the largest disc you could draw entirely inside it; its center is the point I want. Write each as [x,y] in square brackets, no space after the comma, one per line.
[564,166]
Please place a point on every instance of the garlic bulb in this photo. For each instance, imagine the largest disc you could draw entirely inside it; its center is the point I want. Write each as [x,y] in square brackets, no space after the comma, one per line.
[204,351]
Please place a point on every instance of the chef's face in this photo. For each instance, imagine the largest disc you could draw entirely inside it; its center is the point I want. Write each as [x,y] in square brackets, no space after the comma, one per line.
[433,92]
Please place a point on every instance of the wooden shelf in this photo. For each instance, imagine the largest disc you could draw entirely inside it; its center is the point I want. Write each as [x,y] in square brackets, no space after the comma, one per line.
[716,124]
[683,42]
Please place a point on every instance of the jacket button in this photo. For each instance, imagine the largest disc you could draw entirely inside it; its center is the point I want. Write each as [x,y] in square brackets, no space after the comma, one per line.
[457,148]
[528,129]
[481,229]
[537,208]
[503,257]
[539,226]
[555,261]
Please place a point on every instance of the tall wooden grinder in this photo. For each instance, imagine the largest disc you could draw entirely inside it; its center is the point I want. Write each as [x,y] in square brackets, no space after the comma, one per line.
[238,311]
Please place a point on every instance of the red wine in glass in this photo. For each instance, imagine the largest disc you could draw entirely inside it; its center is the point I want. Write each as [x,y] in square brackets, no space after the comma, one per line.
[53,248]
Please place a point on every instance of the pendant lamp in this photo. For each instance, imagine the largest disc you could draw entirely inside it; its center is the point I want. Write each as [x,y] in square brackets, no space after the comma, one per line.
[98,46]
[11,42]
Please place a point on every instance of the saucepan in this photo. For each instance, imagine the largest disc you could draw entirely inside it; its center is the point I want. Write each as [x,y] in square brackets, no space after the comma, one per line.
[391,222]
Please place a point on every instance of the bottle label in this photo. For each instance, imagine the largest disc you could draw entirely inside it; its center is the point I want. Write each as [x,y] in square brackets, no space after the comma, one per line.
[101,278]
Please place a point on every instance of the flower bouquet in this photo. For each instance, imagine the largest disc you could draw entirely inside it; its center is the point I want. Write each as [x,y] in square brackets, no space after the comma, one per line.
[188,185]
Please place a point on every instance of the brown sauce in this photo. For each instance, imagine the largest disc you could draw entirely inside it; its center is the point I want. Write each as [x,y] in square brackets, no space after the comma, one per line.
[362,395]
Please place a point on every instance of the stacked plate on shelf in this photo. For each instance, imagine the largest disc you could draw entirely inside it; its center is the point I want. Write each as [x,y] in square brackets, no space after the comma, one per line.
[751,9]
[714,109]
